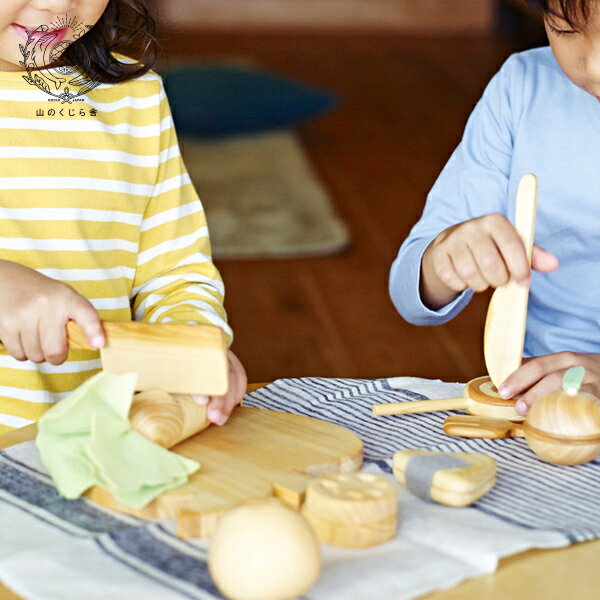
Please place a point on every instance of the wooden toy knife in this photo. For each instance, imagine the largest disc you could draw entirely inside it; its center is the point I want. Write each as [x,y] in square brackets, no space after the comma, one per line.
[172,357]
[504,333]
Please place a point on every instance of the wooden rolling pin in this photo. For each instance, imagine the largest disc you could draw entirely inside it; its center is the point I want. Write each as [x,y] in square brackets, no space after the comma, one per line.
[167,419]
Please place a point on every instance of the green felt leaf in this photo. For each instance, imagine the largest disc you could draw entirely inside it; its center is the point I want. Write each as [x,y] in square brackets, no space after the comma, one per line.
[86,439]
[572,380]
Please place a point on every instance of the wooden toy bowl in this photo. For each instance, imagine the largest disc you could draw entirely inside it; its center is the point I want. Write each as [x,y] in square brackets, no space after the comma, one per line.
[564,428]
[480,398]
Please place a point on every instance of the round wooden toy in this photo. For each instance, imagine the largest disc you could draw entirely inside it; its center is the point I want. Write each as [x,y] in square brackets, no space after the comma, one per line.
[480,398]
[352,510]
[264,550]
[563,427]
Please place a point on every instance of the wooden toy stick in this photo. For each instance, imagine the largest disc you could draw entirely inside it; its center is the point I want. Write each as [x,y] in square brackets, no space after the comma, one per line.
[167,419]
[504,333]
[480,398]
[421,406]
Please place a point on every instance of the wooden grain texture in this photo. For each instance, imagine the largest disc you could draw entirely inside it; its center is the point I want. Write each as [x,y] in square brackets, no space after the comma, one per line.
[473,426]
[165,418]
[456,486]
[555,574]
[257,454]
[480,398]
[504,333]
[432,16]
[352,510]
[564,428]
[420,406]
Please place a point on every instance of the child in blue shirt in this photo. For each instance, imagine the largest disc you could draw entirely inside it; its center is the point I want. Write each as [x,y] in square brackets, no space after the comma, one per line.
[540,114]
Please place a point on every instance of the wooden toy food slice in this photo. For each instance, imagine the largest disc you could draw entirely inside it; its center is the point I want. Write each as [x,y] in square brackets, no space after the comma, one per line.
[257,454]
[504,333]
[353,510]
[480,398]
[451,478]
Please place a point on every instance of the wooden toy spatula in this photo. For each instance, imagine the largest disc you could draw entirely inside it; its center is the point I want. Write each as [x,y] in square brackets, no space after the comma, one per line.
[504,333]
[176,358]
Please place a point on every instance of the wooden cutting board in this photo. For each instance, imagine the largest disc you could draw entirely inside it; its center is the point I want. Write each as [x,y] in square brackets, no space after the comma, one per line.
[258,453]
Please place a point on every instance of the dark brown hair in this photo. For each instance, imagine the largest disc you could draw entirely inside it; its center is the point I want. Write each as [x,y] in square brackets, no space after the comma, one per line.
[574,12]
[127,27]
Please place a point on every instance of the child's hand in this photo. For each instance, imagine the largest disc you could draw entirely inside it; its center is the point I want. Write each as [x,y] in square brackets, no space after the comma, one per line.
[34,311]
[220,407]
[477,254]
[543,374]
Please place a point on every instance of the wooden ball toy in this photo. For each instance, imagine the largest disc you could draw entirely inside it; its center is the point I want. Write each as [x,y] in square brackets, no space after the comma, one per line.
[263,550]
[352,510]
[480,398]
[563,427]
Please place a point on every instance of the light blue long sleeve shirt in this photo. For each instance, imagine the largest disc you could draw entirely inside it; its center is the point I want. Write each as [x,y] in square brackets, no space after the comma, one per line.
[531,119]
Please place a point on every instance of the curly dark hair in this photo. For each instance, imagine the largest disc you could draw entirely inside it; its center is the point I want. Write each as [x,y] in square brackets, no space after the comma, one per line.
[574,12]
[127,27]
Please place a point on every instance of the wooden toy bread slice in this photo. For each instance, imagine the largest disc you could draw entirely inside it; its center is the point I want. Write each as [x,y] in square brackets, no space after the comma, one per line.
[353,510]
[450,478]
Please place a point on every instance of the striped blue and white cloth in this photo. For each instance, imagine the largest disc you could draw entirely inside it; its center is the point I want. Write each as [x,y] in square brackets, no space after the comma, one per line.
[57,549]
[529,492]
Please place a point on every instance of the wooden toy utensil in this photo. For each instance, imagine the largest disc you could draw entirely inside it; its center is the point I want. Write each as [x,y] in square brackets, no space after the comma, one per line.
[472,426]
[178,358]
[480,398]
[504,332]
[183,359]
[562,427]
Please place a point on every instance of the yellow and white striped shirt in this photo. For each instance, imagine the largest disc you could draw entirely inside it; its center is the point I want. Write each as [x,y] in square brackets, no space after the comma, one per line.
[98,197]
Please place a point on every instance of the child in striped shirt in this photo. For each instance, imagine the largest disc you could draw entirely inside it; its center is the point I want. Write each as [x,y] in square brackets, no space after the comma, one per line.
[98,216]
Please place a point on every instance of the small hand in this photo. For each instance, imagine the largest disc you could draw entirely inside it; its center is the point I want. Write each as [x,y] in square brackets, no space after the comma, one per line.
[34,311]
[480,253]
[221,407]
[538,376]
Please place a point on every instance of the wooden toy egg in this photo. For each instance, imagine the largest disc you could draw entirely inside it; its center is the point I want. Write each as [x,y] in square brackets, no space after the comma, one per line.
[563,427]
[263,550]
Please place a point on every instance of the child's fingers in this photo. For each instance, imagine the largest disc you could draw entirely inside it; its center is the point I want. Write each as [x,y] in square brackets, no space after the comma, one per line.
[11,340]
[217,410]
[444,269]
[548,384]
[30,340]
[465,265]
[490,262]
[543,261]
[53,339]
[221,407]
[512,249]
[87,317]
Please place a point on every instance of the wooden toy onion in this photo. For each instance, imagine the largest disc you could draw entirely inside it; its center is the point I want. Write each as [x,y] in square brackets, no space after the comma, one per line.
[264,550]
[563,427]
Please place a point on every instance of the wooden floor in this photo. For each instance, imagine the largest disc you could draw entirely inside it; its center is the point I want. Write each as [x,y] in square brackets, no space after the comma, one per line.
[404,103]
